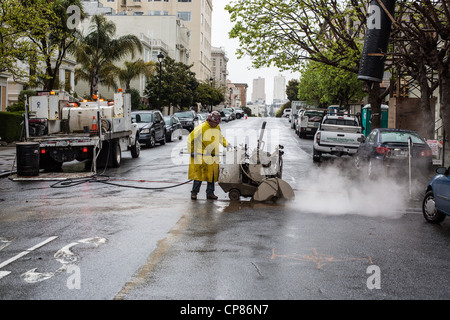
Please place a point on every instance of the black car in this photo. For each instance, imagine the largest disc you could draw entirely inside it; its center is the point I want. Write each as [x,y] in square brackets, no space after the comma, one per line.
[386,150]
[152,128]
[188,119]
[173,128]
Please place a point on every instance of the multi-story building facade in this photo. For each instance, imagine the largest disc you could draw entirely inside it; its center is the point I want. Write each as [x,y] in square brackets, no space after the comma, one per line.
[196,16]
[158,34]
[279,89]
[219,66]
[259,90]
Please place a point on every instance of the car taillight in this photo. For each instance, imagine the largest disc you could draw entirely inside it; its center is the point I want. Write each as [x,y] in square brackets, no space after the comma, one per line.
[426,153]
[318,137]
[383,150]
[85,149]
[43,151]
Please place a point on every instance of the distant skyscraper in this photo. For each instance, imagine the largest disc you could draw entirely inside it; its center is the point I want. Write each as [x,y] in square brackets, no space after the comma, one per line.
[259,90]
[279,89]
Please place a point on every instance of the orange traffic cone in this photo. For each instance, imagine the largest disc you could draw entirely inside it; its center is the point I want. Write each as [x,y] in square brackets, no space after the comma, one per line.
[94,128]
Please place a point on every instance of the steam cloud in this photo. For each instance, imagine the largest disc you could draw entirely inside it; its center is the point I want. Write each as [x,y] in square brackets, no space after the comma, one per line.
[337,190]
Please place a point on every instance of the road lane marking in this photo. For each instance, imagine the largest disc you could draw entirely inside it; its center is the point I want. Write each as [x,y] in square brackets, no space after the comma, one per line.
[23,253]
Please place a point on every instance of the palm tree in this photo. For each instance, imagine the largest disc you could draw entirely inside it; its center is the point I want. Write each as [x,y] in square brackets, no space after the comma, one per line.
[97,51]
[134,69]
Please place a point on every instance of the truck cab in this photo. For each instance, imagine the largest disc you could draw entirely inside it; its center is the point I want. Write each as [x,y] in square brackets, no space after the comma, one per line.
[337,135]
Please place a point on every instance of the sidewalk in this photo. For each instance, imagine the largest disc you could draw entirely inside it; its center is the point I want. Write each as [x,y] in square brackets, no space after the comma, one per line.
[7,159]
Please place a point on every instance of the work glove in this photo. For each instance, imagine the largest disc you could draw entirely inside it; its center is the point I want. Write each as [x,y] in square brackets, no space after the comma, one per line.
[229,147]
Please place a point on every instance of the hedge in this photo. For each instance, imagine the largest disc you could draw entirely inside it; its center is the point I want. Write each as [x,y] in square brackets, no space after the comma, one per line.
[10,126]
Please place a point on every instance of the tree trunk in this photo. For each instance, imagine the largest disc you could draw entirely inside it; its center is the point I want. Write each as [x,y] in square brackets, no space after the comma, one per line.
[94,83]
[427,130]
[375,104]
[445,102]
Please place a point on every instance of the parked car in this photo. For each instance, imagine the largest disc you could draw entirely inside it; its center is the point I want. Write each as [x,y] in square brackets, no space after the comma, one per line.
[152,128]
[436,203]
[202,117]
[386,150]
[173,128]
[231,111]
[308,122]
[225,115]
[188,119]
[239,113]
[286,113]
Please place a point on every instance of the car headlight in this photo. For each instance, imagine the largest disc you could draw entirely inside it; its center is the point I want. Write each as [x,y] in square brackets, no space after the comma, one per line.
[145,130]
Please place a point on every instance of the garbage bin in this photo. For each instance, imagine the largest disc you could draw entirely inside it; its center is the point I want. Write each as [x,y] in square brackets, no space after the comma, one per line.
[27,158]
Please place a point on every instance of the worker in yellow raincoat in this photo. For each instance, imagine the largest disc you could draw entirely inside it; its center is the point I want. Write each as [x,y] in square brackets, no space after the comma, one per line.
[203,145]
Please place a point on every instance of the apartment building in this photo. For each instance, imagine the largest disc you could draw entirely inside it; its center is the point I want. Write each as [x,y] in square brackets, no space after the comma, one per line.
[158,34]
[196,16]
[219,66]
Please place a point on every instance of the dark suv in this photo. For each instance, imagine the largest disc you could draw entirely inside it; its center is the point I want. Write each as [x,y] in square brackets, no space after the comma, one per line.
[188,119]
[152,128]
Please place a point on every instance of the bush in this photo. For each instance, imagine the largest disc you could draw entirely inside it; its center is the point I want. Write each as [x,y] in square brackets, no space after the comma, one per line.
[10,126]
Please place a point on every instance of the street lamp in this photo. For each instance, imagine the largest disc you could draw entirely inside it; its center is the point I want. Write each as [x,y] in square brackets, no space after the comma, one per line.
[211,82]
[160,57]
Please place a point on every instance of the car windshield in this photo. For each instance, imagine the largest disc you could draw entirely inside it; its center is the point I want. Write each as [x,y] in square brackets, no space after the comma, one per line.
[399,136]
[341,122]
[186,114]
[142,117]
[313,114]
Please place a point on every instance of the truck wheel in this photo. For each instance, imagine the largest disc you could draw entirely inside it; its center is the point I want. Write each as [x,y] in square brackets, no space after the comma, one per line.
[429,210]
[116,155]
[316,155]
[136,149]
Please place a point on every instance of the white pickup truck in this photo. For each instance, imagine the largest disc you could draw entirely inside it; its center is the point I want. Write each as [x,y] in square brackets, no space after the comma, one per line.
[337,135]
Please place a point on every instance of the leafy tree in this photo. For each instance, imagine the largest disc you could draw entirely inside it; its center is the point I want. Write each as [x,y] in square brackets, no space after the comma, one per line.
[18,19]
[286,33]
[97,51]
[209,96]
[134,69]
[292,89]
[324,85]
[54,42]
[178,86]
[420,50]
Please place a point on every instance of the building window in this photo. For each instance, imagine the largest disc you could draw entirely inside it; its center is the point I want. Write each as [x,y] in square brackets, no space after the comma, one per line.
[185,15]
[157,12]
[184,0]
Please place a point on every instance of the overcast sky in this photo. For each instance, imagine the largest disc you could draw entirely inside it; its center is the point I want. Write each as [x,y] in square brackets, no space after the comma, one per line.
[239,70]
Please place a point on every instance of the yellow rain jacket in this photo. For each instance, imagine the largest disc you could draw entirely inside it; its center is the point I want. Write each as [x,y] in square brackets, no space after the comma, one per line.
[203,143]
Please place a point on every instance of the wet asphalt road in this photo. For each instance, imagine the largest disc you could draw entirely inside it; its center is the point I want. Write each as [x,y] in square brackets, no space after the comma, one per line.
[341,238]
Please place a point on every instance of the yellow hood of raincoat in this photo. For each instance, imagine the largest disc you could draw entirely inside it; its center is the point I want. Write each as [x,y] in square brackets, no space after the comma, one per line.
[203,142]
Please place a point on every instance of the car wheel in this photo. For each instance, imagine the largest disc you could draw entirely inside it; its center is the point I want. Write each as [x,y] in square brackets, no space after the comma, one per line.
[429,210]
[358,162]
[151,142]
[163,140]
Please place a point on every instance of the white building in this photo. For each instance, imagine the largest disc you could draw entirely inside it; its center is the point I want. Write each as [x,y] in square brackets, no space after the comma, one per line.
[279,90]
[259,90]
[165,34]
[196,16]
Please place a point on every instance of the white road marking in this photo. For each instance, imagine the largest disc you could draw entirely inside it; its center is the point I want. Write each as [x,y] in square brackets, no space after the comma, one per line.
[23,253]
